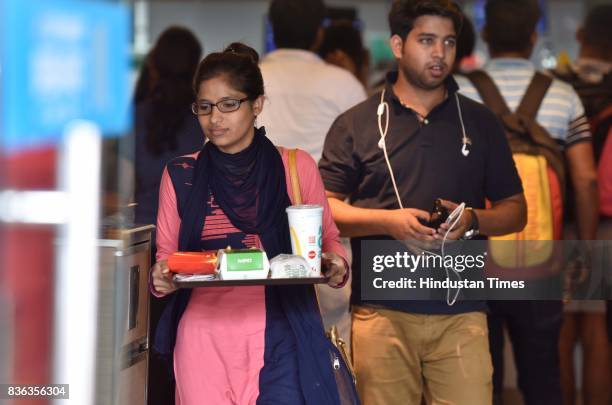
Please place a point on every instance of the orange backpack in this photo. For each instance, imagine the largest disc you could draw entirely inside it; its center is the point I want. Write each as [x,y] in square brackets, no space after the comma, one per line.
[541,167]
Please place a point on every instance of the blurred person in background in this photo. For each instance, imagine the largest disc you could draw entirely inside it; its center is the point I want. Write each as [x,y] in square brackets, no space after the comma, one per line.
[164,124]
[245,344]
[534,326]
[165,128]
[304,95]
[591,73]
[342,46]
[591,77]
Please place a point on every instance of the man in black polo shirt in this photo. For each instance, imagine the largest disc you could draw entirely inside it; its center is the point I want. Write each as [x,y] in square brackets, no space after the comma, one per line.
[404,349]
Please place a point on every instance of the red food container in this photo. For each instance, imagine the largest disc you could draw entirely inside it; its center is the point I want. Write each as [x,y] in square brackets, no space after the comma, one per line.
[193,262]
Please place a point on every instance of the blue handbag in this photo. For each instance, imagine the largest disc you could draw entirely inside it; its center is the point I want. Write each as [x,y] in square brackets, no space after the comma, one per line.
[346,380]
[343,370]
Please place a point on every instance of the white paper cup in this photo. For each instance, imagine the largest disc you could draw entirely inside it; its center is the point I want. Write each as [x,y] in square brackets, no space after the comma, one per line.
[305,226]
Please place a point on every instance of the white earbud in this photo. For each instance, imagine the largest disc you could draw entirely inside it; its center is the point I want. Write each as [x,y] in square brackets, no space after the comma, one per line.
[464,149]
[381,109]
[379,113]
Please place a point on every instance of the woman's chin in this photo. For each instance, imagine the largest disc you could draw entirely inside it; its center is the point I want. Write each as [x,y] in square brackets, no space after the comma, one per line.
[229,148]
[219,142]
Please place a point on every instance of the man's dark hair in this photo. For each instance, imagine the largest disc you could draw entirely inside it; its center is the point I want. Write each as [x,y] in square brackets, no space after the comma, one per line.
[295,22]
[510,24]
[342,35]
[597,29]
[404,13]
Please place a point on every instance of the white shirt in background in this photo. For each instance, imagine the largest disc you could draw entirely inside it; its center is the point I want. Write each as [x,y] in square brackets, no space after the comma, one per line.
[304,95]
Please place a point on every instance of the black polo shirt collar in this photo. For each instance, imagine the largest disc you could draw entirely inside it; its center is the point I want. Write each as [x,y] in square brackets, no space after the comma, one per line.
[390,97]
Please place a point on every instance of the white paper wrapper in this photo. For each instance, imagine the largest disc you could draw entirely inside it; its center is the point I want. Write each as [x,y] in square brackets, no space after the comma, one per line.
[291,266]
[194,277]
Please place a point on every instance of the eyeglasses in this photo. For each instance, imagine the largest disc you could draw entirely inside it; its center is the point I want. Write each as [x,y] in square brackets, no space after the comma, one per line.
[225,106]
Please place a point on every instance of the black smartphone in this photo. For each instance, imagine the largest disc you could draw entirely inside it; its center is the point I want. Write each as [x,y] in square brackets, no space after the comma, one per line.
[438,215]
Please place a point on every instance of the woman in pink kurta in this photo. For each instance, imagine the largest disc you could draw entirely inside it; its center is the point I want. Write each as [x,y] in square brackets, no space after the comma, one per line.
[234,342]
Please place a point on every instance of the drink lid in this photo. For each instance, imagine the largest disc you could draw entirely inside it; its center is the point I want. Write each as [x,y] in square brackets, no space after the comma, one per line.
[304,207]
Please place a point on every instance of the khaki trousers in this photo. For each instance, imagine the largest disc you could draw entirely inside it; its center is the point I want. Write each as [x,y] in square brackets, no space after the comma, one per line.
[400,357]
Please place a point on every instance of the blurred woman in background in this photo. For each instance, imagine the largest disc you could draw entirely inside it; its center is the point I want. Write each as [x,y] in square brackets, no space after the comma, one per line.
[164,125]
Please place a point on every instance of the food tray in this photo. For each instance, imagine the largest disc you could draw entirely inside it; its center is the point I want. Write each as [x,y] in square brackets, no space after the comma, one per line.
[267,281]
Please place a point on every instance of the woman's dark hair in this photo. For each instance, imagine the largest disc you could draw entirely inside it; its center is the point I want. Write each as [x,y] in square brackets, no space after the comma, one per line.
[404,13]
[510,24]
[165,81]
[342,35]
[238,64]
[295,22]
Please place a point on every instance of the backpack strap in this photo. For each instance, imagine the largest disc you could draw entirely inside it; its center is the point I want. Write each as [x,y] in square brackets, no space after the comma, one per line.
[490,94]
[601,117]
[534,95]
[600,129]
[295,180]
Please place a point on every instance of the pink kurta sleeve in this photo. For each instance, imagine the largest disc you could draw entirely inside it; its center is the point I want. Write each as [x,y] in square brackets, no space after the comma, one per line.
[168,224]
[313,192]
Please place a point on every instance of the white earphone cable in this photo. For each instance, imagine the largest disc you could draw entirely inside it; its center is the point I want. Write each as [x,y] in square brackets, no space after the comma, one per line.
[448,269]
[383,109]
[449,302]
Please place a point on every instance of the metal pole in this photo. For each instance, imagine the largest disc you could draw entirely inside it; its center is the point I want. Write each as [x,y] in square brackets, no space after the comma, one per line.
[76,289]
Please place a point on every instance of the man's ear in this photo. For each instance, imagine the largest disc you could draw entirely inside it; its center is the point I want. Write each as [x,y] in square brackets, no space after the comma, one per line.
[397,46]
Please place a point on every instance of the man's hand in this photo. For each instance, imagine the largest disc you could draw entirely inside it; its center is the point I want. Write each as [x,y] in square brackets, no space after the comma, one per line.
[462,225]
[334,267]
[400,224]
[162,278]
[403,224]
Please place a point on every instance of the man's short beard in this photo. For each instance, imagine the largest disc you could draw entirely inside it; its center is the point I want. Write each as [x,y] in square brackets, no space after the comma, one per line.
[414,80]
